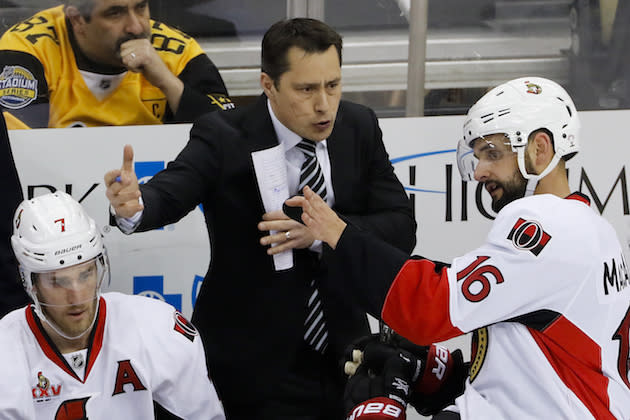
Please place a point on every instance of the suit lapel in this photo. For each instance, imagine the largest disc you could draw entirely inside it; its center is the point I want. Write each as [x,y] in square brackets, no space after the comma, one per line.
[341,152]
[258,126]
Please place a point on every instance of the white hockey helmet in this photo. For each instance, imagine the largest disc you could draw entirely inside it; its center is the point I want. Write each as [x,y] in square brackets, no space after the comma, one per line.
[517,109]
[52,232]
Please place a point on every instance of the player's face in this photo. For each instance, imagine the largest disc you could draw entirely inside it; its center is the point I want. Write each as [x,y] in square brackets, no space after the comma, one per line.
[498,170]
[112,23]
[68,297]
[308,94]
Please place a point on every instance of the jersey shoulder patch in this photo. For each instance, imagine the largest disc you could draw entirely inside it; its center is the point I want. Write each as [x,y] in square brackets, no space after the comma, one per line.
[529,235]
[184,326]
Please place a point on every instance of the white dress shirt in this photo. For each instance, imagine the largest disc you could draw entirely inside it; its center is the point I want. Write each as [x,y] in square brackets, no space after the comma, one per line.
[295,158]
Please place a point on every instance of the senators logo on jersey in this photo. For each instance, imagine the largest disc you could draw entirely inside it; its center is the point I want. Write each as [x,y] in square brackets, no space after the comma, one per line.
[529,235]
[44,391]
[184,326]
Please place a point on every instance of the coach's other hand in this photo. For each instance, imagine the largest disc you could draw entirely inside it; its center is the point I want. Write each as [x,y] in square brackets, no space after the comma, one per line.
[321,220]
[123,191]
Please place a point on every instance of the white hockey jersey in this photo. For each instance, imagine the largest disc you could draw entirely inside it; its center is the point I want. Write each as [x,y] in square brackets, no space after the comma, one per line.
[547,297]
[141,350]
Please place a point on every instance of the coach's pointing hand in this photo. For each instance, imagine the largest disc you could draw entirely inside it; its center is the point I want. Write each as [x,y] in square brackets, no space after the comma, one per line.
[123,191]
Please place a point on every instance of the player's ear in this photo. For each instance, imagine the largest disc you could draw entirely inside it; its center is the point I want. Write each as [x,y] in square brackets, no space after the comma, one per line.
[267,84]
[542,148]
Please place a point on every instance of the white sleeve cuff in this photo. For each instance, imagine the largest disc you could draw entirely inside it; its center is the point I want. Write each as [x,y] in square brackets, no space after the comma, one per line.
[316,246]
[128,224]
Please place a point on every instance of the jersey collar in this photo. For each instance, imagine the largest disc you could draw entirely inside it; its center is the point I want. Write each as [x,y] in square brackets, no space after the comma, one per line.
[95,342]
[579,197]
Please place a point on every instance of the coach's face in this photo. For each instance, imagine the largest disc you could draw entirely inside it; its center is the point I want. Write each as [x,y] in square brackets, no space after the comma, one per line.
[307,96]
[111,23]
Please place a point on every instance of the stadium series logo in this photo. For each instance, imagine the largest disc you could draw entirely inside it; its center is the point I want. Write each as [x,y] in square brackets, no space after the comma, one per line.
[18,87]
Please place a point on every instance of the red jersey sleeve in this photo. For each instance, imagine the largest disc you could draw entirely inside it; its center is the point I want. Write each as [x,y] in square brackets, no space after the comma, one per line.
[417,304]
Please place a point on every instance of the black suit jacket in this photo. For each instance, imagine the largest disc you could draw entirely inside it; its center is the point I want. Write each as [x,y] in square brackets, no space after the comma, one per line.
[249,315]
[12,294]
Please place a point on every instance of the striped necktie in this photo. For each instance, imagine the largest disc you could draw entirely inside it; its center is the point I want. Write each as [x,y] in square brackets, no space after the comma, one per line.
[311,173]
[316,332]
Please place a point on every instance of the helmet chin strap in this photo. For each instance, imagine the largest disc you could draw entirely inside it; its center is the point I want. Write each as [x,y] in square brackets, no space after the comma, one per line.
[51,324]
[104,272]
[532,179]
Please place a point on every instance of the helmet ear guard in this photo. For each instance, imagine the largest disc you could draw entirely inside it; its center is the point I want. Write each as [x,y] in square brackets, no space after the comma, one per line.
[517,109]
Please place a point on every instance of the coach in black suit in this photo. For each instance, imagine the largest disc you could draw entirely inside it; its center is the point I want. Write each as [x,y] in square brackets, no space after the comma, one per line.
[250,315]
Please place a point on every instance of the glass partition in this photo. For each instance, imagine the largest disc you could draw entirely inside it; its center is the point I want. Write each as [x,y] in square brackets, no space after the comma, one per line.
[471,45]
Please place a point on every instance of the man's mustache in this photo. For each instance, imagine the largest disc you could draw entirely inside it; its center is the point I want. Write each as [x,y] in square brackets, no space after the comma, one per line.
[129,37]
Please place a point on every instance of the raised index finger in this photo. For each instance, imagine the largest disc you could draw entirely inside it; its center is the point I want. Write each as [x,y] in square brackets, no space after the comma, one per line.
[127,158]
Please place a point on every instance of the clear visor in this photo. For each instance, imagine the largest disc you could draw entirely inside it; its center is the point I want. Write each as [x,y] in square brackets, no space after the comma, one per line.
[491,148]
[466,161]
[75,285]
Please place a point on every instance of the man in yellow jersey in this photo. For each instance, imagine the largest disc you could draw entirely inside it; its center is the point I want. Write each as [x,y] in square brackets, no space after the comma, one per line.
[104,62]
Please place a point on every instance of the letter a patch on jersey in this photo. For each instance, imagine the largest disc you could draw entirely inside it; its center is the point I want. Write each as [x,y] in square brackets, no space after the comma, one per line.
[127,375]
[529,235]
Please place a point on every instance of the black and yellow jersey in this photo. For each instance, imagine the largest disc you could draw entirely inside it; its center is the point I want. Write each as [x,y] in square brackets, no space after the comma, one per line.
[43,84]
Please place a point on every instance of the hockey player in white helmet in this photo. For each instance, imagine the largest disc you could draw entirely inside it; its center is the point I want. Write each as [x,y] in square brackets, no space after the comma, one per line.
[76,353]
[505,121]
[546,296]
[63,262]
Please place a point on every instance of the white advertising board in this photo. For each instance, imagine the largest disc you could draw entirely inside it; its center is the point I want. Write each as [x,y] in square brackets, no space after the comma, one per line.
[454,217]
[170,263]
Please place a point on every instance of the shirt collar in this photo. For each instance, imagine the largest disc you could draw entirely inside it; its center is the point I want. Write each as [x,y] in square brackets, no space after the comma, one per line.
[287,138]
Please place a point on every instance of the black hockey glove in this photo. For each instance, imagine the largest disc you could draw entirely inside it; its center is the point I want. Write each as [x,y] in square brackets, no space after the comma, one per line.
[442,380]
[380,385]
[439,381]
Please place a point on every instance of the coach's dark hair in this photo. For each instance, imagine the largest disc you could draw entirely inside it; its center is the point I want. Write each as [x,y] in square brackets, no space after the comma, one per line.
[310,35]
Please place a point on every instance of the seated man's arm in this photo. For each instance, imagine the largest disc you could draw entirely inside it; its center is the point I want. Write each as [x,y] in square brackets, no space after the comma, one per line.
[204,91]
[176,64]
[23,88]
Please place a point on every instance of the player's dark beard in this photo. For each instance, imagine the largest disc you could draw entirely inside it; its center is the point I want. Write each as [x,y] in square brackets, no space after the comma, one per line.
[512,190]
